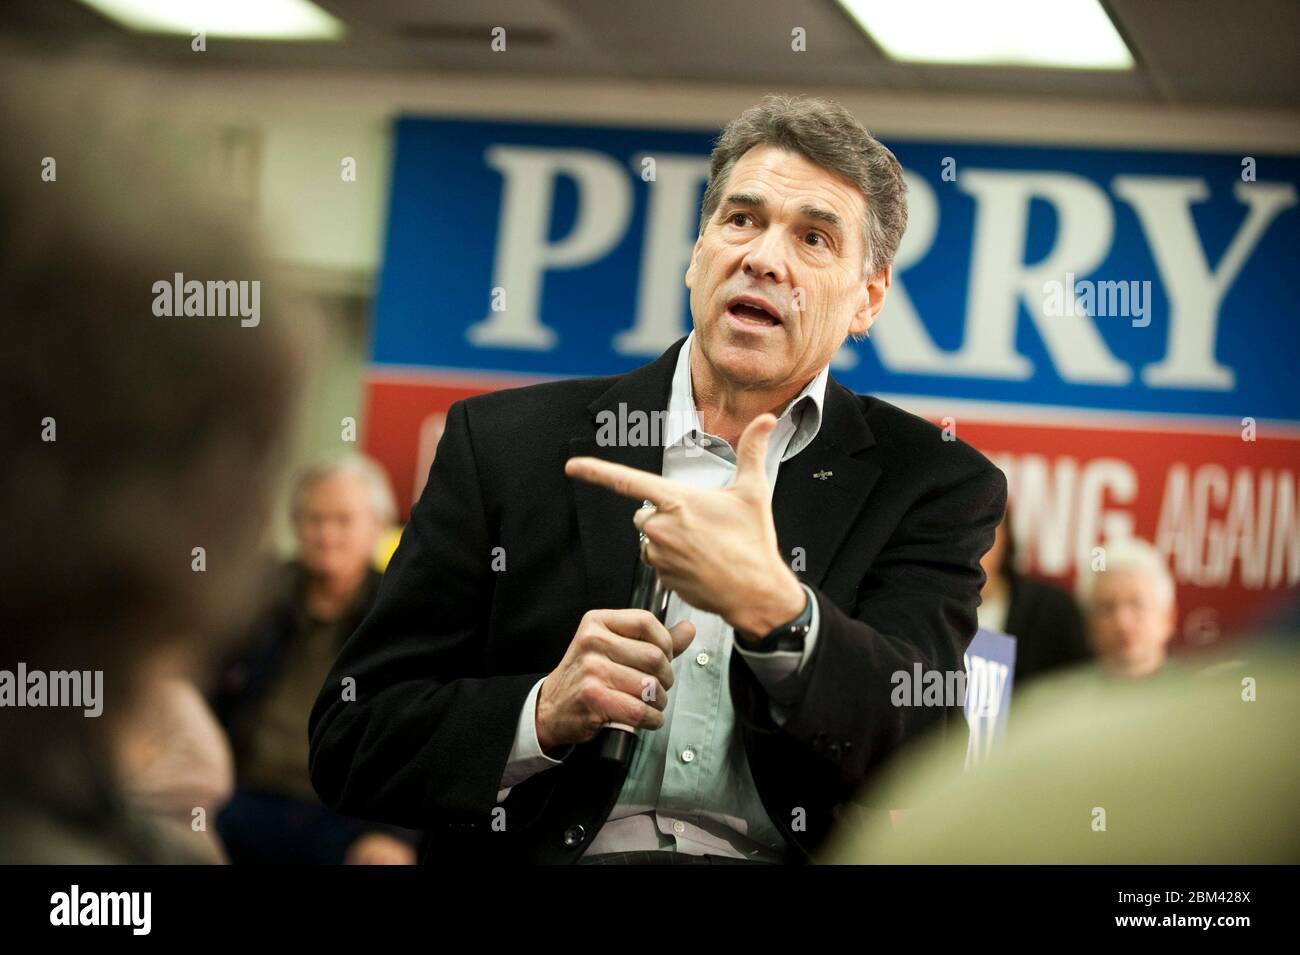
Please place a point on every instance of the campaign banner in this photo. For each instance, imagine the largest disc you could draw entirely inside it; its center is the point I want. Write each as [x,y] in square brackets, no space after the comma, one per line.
[1113,328]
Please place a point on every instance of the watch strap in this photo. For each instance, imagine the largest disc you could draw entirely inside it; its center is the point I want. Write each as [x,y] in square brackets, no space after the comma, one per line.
[788,636]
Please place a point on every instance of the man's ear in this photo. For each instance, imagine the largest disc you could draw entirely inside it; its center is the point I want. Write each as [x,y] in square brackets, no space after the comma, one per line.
[695,252]
[872,300]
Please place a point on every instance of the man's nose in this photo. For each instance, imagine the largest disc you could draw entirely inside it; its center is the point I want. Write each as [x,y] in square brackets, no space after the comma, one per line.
[765,257]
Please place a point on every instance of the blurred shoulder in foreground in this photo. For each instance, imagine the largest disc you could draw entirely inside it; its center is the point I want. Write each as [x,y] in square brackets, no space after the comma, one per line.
[1189,766]
[143,446]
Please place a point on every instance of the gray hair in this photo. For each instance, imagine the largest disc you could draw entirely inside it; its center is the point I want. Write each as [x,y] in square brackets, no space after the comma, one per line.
[1130,553]
[827,135]
[359,466]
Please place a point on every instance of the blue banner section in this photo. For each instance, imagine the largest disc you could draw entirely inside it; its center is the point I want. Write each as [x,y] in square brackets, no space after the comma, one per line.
[1114,280]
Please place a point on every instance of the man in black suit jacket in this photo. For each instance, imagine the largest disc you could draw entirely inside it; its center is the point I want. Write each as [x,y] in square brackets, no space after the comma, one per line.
[888,517]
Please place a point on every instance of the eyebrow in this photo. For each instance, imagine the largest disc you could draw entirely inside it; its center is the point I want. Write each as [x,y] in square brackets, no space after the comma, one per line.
[823,215]
[751,199]
[754,201]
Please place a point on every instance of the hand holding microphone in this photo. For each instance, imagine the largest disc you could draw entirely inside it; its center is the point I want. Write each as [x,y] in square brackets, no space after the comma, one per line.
[617,670]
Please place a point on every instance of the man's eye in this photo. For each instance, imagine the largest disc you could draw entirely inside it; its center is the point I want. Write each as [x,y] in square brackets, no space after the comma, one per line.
[821,239]
[737,215]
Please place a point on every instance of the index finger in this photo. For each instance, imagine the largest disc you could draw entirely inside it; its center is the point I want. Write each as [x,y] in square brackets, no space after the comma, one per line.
[621,479]
[639,625]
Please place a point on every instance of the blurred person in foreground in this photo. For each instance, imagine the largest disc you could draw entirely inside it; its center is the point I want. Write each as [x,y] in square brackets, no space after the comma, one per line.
[1044,619]
[131,441]
[340,511]
[175,761]
[1130,608]
[500,644]
[1194,765]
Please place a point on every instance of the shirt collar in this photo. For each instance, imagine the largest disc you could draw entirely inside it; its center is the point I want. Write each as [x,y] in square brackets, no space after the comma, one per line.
[805,408]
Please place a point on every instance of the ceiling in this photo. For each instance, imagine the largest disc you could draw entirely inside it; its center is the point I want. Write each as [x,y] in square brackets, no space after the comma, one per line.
[1189,52]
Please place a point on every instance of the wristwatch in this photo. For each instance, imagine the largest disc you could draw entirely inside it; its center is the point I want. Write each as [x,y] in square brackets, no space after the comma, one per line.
[788,636]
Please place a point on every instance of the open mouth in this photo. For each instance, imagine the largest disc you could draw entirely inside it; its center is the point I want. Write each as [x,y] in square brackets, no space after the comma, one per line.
[749,311]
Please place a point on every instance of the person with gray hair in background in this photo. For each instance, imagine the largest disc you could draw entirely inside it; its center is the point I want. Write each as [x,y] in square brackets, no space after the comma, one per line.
[340,510]
[1130,605]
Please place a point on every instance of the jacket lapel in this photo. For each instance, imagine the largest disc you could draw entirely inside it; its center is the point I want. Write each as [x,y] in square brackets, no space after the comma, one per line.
[820,491]
[609,539]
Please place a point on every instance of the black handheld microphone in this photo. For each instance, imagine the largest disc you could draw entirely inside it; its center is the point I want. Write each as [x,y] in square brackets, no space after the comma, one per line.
[618,740]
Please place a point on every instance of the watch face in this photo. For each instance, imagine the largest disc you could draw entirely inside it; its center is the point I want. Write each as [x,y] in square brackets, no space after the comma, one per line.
[793,638]
[790,636]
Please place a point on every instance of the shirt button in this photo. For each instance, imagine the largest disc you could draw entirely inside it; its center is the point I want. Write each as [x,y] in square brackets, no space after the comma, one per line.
[679,827]
[705,442]
[688,755]
[702,659]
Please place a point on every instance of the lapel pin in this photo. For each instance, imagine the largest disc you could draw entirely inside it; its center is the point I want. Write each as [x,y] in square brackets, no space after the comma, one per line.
[822,475]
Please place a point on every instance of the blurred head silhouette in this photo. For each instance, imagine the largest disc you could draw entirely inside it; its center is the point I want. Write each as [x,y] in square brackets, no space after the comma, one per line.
[142,450]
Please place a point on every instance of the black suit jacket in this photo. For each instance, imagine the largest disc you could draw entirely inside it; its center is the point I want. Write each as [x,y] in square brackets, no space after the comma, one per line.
[892,541]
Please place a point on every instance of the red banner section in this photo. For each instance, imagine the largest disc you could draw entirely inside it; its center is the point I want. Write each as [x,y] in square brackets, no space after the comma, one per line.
[1222,503]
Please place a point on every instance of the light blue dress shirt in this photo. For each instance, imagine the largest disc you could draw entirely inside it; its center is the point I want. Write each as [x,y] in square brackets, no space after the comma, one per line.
[689,786]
